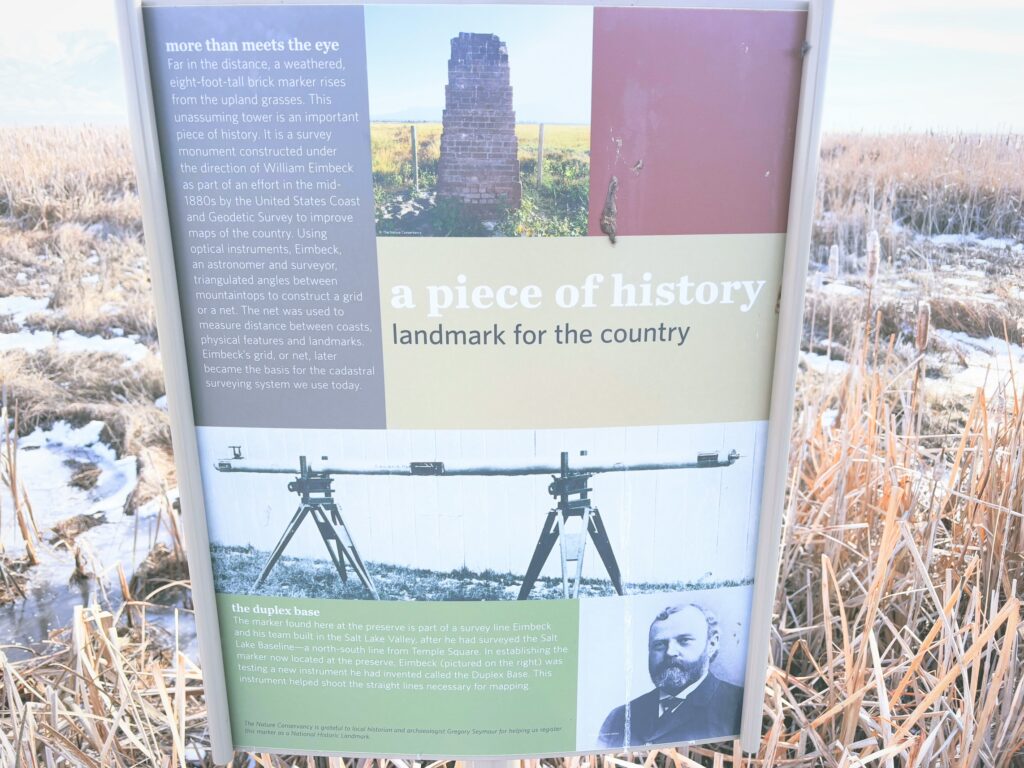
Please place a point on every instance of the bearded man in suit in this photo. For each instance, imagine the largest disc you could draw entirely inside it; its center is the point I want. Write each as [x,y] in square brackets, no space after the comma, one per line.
[688,703]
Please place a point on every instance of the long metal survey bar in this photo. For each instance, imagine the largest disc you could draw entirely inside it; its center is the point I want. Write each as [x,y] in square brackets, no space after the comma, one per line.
[569,487]
[442,469]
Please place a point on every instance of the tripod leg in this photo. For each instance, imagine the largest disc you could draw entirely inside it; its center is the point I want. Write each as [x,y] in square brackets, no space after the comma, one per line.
[347,549]
[604,548]
[332,526]
[293,526]
[328,534]
[548,534]
[362,573]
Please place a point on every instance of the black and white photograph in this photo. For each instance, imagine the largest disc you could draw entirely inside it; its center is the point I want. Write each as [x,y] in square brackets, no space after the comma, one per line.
[482,514]
[683,677]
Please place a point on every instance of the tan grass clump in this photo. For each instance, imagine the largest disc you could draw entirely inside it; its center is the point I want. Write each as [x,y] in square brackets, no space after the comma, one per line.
[106,693]
[60,174]
[929,183]
[50,386]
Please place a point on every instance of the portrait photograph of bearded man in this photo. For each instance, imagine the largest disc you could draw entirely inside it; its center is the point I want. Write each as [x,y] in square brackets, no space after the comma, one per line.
[688,702]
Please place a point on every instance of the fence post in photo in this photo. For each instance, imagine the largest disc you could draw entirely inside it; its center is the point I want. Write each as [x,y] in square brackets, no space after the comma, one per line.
[415,160]
[540,155]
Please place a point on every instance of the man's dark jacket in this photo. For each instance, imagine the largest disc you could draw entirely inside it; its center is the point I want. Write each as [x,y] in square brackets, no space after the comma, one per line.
[711,710]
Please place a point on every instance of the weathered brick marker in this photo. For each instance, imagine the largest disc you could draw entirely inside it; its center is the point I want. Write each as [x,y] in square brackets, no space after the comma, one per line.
[479,165]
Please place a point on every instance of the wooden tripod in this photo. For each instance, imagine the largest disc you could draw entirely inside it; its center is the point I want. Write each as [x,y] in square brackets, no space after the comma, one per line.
[572,493]
[317,501]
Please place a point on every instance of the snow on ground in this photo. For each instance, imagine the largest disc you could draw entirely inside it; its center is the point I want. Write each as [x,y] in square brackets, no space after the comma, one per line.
[989,361]
[72,342]
[822,364]
[961,240]
[841,289]
[976,241]
[18,308]
[128,347]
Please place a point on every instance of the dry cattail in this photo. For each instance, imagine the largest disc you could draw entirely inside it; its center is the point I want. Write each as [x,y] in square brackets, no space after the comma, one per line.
[833,262]
[924,321]
[874,253]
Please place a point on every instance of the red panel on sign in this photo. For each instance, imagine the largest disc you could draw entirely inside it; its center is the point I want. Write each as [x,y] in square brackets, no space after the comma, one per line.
[694,113]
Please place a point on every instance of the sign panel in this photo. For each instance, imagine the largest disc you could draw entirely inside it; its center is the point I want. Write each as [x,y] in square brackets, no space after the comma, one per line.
[477,322]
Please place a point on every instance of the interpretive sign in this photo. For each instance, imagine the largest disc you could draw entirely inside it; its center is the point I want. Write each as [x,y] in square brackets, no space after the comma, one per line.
[479,325]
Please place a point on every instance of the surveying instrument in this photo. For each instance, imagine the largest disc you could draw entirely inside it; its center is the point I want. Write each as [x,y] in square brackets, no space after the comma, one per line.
[316,499]
[574,516]
[571,522]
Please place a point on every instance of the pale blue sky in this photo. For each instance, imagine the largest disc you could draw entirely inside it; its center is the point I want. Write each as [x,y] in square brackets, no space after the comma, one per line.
[896,64]
[408,48]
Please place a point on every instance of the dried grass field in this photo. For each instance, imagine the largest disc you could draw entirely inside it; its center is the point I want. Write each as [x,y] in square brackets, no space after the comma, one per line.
[554,203]
[897,640]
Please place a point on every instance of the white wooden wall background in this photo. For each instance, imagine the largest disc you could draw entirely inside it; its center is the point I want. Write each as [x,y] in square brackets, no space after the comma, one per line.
[665,526]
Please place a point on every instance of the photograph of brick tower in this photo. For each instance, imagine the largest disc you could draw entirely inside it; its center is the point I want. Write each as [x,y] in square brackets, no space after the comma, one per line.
[479,163]
[473,132]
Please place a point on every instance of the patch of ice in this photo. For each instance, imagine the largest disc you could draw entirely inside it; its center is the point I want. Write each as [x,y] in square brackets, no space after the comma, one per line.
[21,278]
[46,461]
[20,307]
[161,402]
[113,486]
[63,435]
[94,259]
[90,280]
[992,345]
[841,289]
[989,361]
[823,364]
[116,331]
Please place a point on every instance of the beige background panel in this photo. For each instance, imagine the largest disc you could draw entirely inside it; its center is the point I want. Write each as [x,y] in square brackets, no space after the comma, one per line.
[721,373]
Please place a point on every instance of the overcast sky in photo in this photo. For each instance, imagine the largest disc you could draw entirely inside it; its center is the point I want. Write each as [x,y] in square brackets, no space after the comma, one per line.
[896,65]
